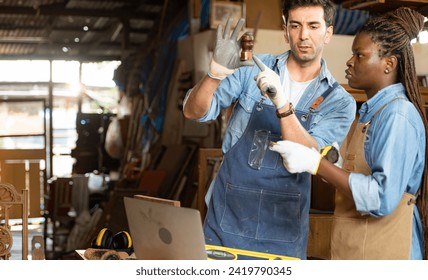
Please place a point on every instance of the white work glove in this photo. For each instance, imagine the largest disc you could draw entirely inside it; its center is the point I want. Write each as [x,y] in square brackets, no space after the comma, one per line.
[296,157]
[226,56]
[269,84]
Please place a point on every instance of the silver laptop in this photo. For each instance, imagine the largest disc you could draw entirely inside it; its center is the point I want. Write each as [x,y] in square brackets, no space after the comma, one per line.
[164,232]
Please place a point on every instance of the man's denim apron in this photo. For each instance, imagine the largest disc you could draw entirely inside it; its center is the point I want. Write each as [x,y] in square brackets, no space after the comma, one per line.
[265,209]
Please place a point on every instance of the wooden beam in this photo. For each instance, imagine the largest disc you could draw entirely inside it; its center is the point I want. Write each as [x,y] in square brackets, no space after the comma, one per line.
[62,11]
[382,5]
[22,154]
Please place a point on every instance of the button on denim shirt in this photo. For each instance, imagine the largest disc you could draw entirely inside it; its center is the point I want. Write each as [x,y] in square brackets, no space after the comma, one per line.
[330,122]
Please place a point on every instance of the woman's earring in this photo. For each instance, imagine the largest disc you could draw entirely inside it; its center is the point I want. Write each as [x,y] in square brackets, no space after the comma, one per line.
[386,71]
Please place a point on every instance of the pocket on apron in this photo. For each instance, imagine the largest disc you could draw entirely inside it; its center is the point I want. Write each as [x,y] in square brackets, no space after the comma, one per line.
[348,238]
[261,214]
[260,155]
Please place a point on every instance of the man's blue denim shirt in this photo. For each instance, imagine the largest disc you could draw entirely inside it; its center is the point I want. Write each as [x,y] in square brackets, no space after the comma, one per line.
[330,122]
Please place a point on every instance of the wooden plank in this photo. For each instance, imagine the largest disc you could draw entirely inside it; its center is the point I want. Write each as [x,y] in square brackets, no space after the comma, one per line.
[360,95]
[174,161]
[171,202]
[173,123]
[383,5]
[22,154]
[319,238]
[23,175]
[203,178]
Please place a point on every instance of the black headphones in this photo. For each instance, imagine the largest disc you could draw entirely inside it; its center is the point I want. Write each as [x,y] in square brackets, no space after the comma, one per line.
[120,241]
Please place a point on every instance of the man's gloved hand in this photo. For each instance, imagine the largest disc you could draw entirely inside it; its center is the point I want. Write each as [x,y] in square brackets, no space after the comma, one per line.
[269,84]
[226,57]
[296,157]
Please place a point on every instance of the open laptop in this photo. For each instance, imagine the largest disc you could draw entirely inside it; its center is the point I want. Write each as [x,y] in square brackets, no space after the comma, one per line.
[161,231]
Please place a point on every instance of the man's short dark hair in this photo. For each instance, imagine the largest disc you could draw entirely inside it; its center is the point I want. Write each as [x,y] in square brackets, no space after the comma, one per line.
[328,7]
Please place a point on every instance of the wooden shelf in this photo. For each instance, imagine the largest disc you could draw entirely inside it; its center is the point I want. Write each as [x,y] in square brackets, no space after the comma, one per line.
[360,96]
[381,6]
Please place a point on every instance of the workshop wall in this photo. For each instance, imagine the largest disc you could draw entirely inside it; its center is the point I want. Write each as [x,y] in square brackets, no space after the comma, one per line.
[160,76]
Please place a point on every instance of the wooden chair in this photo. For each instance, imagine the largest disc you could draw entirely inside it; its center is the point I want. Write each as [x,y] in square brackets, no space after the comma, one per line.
[58,222]
[9,197]
[208,163]
[37,248]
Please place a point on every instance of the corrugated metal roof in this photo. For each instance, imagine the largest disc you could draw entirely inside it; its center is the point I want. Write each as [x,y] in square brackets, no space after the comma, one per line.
[94,30]
[87,30]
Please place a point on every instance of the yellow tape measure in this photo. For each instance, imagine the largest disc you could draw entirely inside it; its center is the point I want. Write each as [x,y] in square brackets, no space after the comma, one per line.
[226,253]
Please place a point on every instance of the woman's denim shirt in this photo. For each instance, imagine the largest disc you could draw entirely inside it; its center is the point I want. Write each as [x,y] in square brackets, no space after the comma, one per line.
[395,151]
[330,122]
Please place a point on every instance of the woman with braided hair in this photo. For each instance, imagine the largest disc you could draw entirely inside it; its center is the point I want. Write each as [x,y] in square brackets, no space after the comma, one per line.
[384,172]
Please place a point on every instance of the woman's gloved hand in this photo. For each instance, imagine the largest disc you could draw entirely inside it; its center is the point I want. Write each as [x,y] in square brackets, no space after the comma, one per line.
[226,57]
[269,84]
[296,157]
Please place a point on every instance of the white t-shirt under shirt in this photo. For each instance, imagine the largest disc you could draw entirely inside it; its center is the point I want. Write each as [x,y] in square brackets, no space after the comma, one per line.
[293,90]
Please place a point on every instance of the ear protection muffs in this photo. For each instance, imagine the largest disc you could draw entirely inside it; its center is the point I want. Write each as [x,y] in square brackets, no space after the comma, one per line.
[122,240]
[103,239]
[106,240]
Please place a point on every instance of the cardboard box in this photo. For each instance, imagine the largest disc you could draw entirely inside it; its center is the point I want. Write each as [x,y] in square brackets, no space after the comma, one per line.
[266,14]
[221,11]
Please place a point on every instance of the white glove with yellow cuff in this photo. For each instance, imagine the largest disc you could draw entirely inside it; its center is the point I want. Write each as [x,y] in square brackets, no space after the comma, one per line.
[296,157]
